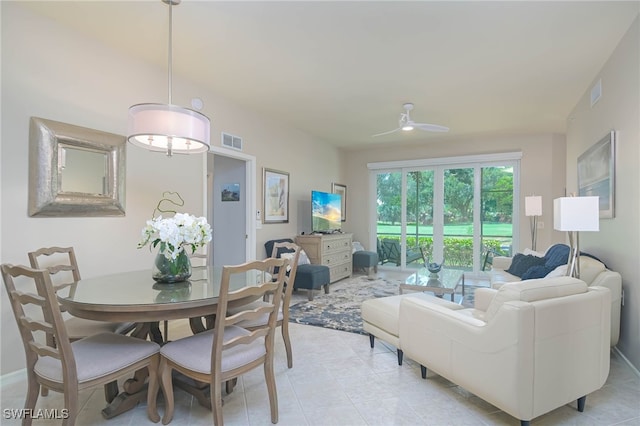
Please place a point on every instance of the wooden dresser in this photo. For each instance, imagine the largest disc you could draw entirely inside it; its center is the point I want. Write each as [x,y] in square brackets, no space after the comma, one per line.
[332,250]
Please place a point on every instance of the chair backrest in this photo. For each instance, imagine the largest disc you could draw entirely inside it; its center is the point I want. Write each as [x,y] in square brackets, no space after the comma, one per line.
[392,248]
[57,260]
[291,252]
[268,246]
[266,289]
[44,316]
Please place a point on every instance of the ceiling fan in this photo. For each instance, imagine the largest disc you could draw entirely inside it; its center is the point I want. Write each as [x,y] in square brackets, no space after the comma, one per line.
[407,124]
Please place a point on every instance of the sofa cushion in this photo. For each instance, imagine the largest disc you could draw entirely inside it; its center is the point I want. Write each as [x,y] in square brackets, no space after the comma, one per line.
[521,264]
[560,271]
[533,290]
[590,268]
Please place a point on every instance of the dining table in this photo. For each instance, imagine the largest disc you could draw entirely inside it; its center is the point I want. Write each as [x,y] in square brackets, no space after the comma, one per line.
[135,297]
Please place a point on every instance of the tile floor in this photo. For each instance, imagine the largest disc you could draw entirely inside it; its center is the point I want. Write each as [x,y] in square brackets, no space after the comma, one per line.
[337,379]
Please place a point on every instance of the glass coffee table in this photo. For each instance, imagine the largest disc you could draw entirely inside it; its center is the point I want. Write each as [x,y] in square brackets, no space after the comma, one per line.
[444,282]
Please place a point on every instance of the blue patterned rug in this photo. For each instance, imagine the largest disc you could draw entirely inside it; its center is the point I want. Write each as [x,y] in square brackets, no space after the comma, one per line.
[340,309]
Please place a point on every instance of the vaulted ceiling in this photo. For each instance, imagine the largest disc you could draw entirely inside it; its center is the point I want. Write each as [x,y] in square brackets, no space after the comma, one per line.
[341,70]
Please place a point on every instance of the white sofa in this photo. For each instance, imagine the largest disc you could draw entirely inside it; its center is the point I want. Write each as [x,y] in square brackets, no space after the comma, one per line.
[527,348]
[593,272]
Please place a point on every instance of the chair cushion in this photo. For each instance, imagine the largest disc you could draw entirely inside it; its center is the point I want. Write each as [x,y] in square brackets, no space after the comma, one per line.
[533,290]
[194,352]
[98,356]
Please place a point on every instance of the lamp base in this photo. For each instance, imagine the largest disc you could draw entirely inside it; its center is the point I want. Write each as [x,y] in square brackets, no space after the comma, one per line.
[573,268]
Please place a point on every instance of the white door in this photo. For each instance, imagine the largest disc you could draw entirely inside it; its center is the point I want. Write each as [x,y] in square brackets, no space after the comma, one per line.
[230,203]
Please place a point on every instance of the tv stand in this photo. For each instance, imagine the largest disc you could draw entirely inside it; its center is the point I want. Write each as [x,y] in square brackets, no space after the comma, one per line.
[332,250]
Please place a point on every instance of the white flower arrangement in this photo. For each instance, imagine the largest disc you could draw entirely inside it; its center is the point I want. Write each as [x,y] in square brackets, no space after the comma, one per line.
[176,232]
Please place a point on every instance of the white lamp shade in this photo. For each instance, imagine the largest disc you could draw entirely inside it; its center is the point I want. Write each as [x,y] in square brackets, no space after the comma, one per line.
[576,214]
[153,126]
[533,205]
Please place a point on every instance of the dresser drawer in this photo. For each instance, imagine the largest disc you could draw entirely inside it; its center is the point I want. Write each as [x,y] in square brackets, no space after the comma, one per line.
[337,272]
[336,258]
[336,244]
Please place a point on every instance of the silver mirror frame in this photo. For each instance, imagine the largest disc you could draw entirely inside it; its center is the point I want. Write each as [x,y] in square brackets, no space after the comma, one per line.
[46,197]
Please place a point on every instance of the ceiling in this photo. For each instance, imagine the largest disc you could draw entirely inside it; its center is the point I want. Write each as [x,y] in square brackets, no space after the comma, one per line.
[341,70]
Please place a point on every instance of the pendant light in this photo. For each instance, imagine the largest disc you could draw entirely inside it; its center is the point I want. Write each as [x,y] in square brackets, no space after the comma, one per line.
[166,127]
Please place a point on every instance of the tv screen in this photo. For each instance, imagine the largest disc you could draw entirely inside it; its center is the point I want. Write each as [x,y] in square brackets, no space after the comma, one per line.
[325,211]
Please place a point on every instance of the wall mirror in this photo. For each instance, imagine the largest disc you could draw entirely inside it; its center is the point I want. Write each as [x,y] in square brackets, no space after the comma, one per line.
[75,171]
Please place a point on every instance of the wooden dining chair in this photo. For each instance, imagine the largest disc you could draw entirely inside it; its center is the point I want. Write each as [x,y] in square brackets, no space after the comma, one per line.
[62,260]
[63,268]
[227,351]
[289,251]
[70,367]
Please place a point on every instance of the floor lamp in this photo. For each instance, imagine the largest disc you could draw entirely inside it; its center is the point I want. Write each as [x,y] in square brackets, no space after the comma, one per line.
[533,209]
[575,214]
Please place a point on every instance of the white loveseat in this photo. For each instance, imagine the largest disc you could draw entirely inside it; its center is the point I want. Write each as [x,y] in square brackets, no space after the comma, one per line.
[592,272]
[527,348]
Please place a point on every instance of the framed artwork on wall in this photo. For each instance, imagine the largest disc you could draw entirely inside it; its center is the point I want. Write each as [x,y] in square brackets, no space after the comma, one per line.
[596,174]
[230,192]
[338,188]
[275,195]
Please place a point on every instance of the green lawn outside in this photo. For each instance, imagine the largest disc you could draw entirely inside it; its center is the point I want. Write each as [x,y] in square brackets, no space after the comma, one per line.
[490,230]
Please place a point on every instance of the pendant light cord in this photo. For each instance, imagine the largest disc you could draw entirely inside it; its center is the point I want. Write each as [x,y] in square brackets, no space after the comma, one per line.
[170,47]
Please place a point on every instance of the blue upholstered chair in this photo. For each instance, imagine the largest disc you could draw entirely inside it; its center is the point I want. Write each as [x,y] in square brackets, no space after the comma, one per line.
[308,277]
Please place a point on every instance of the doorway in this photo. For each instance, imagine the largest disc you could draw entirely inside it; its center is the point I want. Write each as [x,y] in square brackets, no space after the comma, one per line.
[231,195]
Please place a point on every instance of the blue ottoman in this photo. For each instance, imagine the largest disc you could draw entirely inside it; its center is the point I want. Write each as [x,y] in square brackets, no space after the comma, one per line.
[312,277]
[365,260]
[308,277]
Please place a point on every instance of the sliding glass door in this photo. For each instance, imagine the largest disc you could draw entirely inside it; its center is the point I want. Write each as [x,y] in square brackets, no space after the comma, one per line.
[451,212]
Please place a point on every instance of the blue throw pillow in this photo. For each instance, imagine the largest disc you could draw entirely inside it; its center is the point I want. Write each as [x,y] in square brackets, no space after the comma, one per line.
[538,271]
[557,255]
[521,264]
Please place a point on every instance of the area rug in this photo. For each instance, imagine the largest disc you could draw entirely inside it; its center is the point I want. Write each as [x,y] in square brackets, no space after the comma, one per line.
[340,309]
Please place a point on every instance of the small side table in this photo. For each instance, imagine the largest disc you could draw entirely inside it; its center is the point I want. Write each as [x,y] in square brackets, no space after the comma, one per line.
[444,282]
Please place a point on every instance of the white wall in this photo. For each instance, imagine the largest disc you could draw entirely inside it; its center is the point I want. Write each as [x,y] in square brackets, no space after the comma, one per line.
[536,175]
[618,242]
[51,72]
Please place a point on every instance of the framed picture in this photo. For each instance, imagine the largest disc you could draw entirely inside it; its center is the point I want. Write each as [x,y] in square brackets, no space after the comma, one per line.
[338,188]
[596,173]
[275,196]
[230,192]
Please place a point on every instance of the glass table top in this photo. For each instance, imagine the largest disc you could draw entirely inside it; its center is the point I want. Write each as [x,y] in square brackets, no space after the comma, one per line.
[138,288]
[446,279]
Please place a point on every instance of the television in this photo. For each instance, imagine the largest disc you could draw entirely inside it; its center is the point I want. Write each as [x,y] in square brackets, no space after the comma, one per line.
[326,212]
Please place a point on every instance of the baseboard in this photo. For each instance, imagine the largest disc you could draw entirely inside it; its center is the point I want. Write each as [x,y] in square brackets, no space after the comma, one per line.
[13,377]
[626,360]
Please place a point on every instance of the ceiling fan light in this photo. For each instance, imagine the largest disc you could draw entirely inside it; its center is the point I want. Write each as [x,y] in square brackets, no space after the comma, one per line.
[407,127]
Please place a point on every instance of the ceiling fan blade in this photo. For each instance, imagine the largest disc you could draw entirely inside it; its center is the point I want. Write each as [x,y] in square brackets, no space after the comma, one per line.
[385,133]
[431,127]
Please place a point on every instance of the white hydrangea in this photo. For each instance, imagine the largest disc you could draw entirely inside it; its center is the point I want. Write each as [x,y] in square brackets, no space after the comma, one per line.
[174,233]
